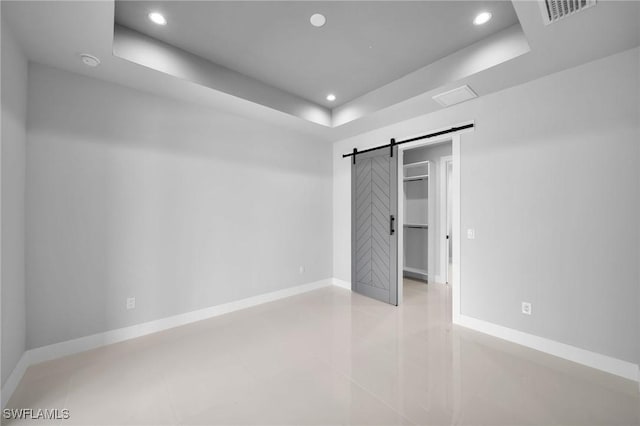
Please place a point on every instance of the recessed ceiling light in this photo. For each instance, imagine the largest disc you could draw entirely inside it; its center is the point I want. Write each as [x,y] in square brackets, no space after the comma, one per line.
[89,60]
[482,18]
[331,97]
[158,18]
[318,20]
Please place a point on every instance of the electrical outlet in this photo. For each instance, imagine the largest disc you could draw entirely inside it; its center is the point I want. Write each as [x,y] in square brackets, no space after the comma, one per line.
[471,234]
[301,269]
[131,302]
[526,308]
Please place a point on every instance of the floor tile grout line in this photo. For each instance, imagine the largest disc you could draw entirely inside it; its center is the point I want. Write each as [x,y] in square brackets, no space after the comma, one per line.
[370,392]
[174,410]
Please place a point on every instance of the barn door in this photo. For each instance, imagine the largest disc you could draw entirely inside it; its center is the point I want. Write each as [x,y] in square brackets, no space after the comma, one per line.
[374,241]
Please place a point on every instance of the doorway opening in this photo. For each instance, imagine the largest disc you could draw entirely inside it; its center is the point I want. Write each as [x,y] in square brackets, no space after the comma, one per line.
[425,220]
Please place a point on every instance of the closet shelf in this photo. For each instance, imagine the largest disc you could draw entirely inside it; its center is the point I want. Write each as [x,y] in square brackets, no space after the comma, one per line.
[419,163]
[415,270]
[418,177]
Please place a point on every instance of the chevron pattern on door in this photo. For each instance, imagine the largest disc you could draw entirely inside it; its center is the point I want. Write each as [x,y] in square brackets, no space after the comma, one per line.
[374,246]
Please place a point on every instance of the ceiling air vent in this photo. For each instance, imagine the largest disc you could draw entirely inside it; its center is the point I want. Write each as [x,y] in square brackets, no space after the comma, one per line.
[455,96]
[554,10]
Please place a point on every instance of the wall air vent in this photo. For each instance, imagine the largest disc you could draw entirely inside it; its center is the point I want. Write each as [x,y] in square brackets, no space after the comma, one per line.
[455,96]
[555,10]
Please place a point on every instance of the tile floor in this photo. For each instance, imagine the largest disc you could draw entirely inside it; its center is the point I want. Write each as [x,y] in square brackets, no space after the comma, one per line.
[323,358]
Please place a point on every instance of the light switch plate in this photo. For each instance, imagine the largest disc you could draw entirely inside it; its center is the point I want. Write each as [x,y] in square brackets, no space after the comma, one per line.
[471,234]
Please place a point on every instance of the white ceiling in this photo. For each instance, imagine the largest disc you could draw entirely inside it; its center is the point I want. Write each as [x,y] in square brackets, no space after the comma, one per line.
[55,33]
[363,45]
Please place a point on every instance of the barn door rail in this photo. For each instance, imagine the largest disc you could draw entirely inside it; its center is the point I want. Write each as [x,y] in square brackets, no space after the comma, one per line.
[393,142]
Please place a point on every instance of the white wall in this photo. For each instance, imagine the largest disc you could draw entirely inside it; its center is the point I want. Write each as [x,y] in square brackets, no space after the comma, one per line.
[183,207]
[549,181]
[14,112]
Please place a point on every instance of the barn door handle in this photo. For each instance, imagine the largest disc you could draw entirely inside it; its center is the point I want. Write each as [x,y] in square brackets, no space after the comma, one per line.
[391,229]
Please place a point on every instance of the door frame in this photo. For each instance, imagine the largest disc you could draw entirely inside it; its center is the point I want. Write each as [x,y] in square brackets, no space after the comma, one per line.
[444,246]
[455,217]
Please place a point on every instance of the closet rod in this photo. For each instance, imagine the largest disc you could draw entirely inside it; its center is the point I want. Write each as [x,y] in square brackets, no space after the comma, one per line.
[394,143]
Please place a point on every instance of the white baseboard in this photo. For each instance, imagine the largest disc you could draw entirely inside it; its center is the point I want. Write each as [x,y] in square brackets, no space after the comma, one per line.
[69,347]
[14,378]
[595,360]
[341,283]
[34,356]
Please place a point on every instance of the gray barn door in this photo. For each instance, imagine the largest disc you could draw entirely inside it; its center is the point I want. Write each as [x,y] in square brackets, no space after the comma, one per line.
[374,241]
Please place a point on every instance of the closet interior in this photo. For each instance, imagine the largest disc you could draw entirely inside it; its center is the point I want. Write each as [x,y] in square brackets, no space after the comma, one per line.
[425,214]
[416,219]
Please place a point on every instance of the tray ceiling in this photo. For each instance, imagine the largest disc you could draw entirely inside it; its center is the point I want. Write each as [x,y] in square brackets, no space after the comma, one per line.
[362,46]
